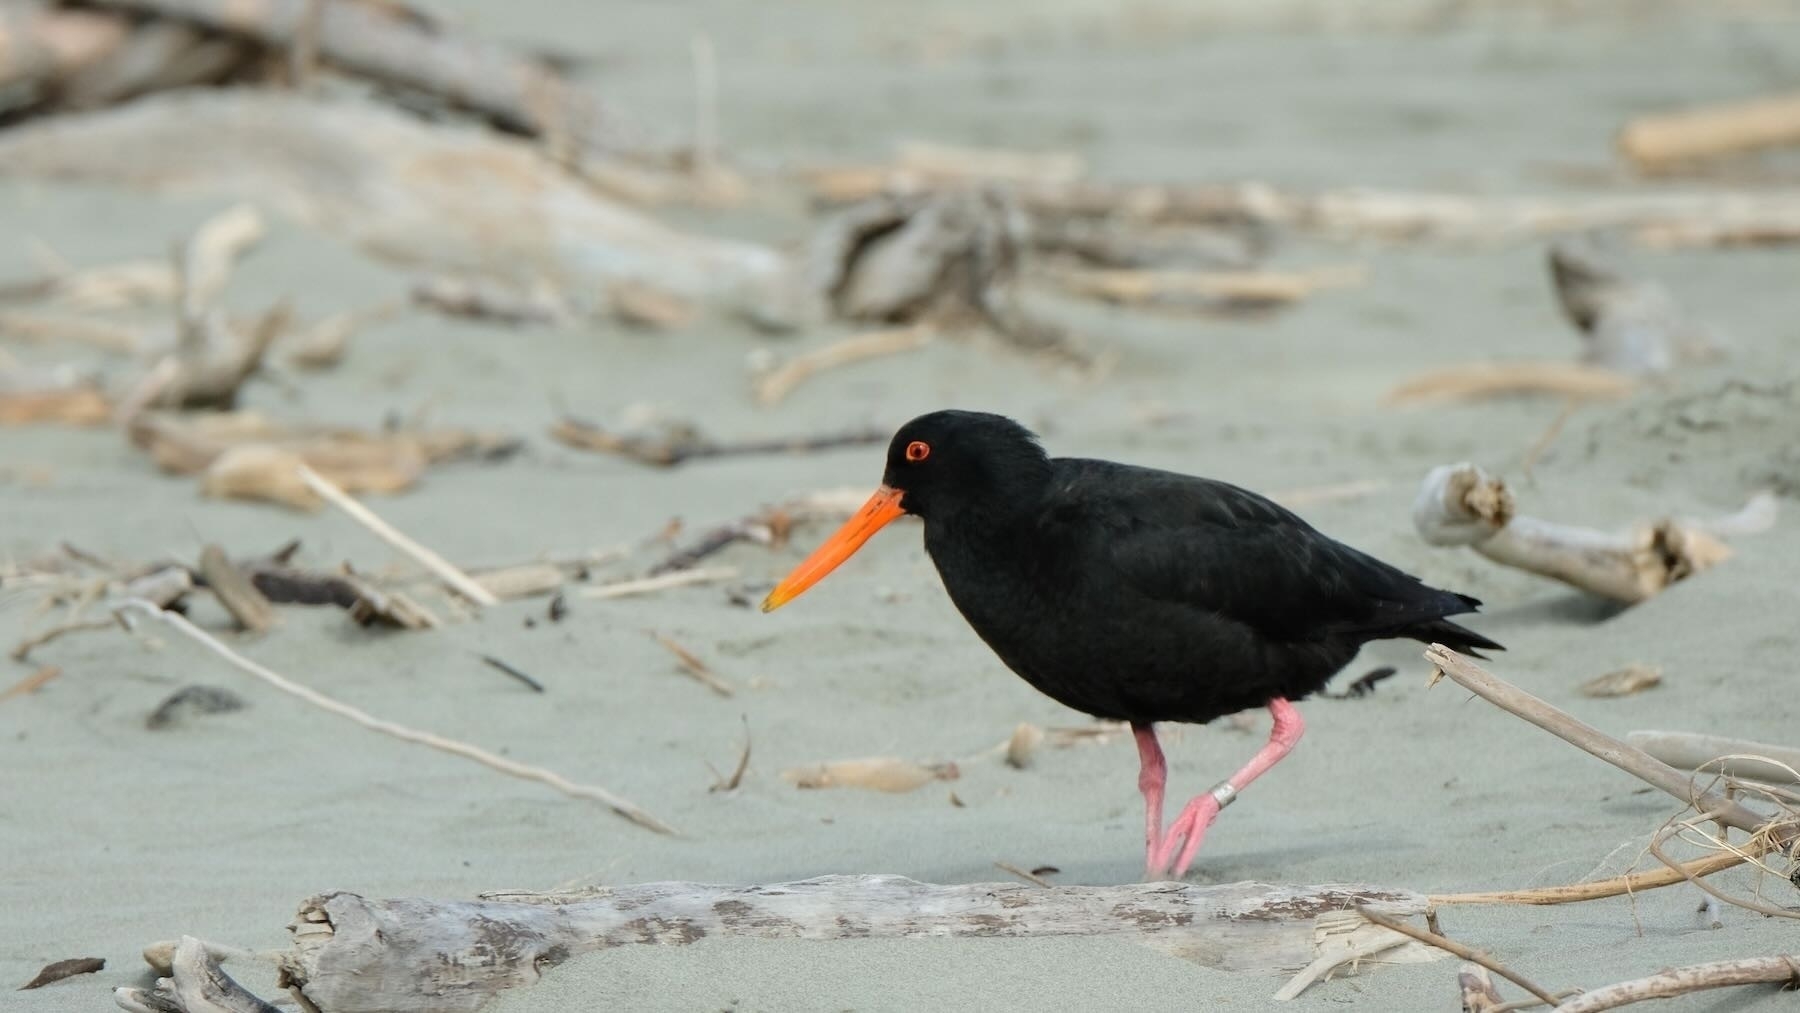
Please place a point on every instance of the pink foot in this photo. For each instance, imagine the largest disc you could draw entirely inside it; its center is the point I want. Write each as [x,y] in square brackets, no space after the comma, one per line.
[1189,828]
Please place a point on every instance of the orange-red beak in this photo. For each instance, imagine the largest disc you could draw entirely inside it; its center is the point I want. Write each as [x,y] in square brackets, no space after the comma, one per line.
[881,508]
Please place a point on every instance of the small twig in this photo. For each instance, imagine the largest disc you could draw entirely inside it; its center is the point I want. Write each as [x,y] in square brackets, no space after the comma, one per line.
[693,666]
[24,648]
[663,582]
[1693,978]
[236,591]
[743,764]
[1551,432]
[32,682]
[443,568]
[536,686]
[1330,961]
[781,381]
[1455,948]
[451,746]
[1029,877]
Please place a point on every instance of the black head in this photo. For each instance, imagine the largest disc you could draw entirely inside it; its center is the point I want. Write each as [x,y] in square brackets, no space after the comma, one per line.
[949,462]
[948,465]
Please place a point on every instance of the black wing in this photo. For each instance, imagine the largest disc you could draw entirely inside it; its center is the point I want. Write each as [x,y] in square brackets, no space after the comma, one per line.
[1231,552]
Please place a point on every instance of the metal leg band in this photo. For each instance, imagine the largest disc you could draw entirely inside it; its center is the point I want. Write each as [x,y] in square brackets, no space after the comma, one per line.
[1224,793]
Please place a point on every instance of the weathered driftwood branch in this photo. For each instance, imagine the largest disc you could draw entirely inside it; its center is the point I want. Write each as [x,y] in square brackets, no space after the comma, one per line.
[352,954]
[1740,758]
[195,984]
[1474,381]
[394,45]
[1663,139]
[452,197]
[1461,505]
[1694,218]
[1783,969]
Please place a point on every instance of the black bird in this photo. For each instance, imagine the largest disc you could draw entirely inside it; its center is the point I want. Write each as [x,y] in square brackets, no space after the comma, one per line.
[1134,594]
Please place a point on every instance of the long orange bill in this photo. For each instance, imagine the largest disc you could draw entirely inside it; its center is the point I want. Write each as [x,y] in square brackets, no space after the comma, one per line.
[881,508]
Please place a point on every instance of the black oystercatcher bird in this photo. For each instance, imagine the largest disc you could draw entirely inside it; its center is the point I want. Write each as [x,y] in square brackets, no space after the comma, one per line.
[1138,595]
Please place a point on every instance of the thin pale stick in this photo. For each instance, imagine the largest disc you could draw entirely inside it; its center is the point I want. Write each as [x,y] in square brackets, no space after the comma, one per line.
[780,382]
[343,710]
[461,582]
[1630,759]
[1453,947]
[1029,877]
[660,582]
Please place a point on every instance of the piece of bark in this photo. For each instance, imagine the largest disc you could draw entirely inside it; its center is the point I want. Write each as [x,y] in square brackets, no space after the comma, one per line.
[163,587]
[1621,682]
[196,984]
[1461,505]
[388,608]
[1742,758]
[79,405]
[64,969]
[391,44]
[438,196]
[355,955]
[236,591]
[1660,140]
[523,581]
[1478,992]
[1629,325]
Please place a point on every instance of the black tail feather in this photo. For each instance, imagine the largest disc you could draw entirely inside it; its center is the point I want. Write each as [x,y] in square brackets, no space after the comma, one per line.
[1457,638]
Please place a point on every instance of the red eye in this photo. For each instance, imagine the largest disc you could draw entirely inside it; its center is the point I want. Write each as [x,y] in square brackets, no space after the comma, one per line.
[918,450]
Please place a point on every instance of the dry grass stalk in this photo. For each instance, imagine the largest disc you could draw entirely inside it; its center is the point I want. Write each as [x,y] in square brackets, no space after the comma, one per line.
[775,385]
[33,682]
[1482,380]
[1228,289]
[692,665]
[22,650]
[661,582]
[502,764]
[1633,678]
[1617,886]
[1662,140]
[731,783]
[1461,505]
[880,773]
[457,580]
[1783,969]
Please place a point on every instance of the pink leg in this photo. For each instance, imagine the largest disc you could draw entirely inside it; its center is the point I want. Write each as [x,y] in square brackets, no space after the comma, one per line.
[1203,809]
[1153,773]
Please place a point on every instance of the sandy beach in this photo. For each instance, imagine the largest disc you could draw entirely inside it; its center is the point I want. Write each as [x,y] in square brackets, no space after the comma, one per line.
[116,835]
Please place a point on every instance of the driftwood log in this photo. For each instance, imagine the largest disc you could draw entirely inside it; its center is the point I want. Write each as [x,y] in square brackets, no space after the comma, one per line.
[446,196]
[352,954]
[1462,505]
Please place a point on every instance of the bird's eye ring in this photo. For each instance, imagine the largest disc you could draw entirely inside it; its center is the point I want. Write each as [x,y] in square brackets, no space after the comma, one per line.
[918,450]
